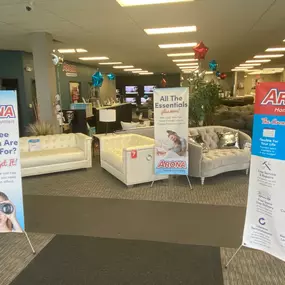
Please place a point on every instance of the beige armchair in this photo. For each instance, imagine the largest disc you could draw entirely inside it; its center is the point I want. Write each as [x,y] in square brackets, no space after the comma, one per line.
[216,161]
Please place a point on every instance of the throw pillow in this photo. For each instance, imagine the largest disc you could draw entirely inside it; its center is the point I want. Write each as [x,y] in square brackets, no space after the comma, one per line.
[127,126]
[228,140]
[199,140]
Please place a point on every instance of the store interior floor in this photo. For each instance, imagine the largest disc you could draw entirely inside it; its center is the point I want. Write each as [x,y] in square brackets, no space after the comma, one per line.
[89,228]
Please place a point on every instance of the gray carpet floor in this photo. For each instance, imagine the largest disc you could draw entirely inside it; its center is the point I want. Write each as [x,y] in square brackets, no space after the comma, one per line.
[212,219]
[225,189]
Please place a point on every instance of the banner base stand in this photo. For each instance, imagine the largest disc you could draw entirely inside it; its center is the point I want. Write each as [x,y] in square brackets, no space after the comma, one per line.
[188,179]
[29,241]
[229,262]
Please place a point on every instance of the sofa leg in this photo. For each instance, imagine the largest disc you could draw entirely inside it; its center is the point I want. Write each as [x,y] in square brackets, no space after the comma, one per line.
[202,181]
[247,171]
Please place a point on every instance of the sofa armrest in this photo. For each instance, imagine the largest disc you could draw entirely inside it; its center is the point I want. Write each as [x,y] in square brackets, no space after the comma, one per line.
[84,142]
[243,138]
[195,159]
[139,147]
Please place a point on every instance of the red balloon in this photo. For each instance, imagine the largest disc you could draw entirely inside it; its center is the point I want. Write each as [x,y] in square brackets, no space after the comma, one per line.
[163,82]
[223,76]
[200,50]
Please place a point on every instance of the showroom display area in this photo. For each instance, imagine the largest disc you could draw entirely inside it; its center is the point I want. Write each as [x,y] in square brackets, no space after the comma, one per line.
[54,153]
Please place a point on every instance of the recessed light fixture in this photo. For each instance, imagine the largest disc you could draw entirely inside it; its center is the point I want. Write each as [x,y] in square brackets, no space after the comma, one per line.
[181,54]
[140,71]
[79,50]
[172,30]
[180,45]
[94,58]
[250,64]
[125,3]
[69,50]
[123,66]
[185,60]
[275,49]
[145,73]
[133,69]
[110,63]
[269,56]
[187,64]
[258,60]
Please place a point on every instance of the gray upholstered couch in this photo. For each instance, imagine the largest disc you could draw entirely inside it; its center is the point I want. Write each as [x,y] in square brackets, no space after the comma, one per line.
[215,161]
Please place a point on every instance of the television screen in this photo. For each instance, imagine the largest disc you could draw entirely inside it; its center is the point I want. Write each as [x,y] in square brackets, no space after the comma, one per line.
[131,89]
[143,100]
[131,100]
[149,89]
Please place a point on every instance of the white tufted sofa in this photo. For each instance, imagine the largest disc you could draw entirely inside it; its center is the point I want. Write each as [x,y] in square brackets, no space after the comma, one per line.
[129,157]
[216,161]
[57,153]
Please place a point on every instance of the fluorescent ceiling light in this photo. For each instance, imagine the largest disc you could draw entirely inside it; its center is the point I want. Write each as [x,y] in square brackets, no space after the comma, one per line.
[269,56]
[180,45]
[275,49]
[239,70]
[243,67]
[81,50]
[188,71]
[185,60]
[94,58]
[209,72]
[123,66]
[125,3]
[146,73]
[258,60]
[250,64]
[70,50]
[133,69]
[140,71]
[187,64]
[172,30]
[110,63]
[181,54]
[188,67]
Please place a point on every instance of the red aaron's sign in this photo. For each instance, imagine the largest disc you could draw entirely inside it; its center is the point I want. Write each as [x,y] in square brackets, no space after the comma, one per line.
[273,101]
[7,111]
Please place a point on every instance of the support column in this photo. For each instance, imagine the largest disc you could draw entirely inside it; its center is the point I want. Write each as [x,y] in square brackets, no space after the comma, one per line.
[235,84]
[42,45]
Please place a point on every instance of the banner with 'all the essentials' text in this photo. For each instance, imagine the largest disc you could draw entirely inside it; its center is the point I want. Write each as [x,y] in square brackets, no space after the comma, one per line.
[11,197]
[171,110]
[265,217]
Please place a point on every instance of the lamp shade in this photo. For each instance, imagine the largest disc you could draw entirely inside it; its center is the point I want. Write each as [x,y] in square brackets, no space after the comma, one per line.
[108,115]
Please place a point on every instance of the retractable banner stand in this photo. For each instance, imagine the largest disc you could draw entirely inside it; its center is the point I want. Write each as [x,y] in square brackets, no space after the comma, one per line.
[171,109]
[265,217]
[11,197]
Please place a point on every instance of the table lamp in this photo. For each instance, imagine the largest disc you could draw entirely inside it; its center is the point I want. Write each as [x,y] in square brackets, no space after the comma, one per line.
[107,116]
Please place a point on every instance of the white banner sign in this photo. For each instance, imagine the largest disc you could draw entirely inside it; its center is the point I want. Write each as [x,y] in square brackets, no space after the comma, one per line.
[11,197]
[171,109]
[265,215]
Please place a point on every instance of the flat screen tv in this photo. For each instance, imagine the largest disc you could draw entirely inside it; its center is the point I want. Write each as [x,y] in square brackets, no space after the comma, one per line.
[148,89]
[131,89]
[131,100]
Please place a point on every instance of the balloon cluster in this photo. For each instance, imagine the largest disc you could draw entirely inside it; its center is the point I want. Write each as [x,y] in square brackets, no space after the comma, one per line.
[111,76]
[56,60]
[213,65]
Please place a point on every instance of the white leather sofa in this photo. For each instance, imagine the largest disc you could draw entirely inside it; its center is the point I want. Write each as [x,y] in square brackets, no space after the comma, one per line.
[57,153]
[129,157]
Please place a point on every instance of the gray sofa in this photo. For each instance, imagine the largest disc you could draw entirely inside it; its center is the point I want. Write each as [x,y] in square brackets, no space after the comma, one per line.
[215,161]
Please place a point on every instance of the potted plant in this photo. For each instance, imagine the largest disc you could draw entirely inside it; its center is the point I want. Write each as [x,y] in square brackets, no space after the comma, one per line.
[204,100]
[40,129]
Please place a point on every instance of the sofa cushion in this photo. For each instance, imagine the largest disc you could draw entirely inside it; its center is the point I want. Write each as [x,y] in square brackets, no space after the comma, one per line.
[114,158]
[222,157]
[51,156]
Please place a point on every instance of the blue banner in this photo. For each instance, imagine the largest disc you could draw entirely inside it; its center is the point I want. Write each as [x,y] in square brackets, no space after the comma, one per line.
[11,196]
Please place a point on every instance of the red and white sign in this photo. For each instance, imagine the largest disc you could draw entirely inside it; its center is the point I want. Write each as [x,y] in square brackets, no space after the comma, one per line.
[134,154]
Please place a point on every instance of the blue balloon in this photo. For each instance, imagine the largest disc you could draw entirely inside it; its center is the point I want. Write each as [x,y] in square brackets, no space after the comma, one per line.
[97,79]
[218,73]
[213,65]
[111,76]
[145,96]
